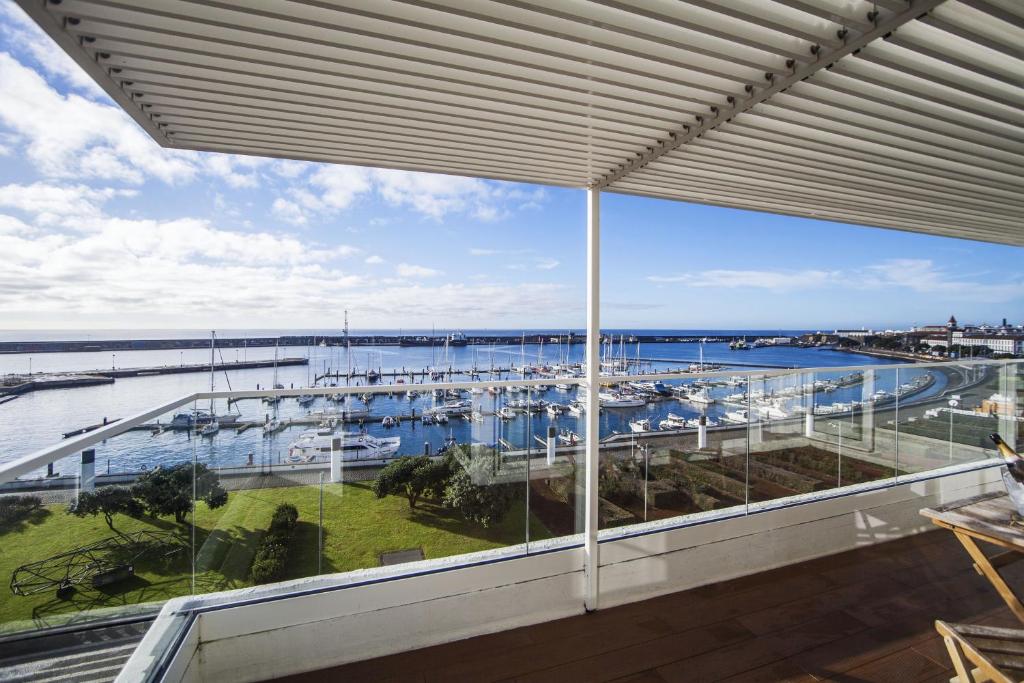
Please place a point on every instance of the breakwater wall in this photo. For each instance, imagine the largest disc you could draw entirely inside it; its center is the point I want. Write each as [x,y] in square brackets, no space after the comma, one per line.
[108,345]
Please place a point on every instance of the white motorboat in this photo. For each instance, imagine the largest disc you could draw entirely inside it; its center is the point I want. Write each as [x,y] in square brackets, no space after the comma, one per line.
[389,421]
[737,417]
[555,409]
[568,438]
[272,426]
[577,408]
[507,413]
[210,428]
[305,399]
[453,408]
[611,400]
[694,423]
[701,397]
[563,387]
[643,425]
[353,446]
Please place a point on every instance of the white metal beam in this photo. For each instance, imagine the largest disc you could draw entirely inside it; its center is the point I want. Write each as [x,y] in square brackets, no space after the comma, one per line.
[591,555]
[851,43]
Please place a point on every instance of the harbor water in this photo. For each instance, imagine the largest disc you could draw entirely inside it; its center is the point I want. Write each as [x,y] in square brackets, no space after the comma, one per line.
[39,419]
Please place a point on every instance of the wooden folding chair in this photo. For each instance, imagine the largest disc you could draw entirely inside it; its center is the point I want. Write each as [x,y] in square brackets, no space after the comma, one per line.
[984,653]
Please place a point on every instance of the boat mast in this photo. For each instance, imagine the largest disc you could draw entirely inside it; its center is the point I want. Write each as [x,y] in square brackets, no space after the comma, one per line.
[348,352]
[213,340]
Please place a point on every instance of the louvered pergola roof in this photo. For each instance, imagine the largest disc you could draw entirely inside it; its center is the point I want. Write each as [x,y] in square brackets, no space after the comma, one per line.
[904,114]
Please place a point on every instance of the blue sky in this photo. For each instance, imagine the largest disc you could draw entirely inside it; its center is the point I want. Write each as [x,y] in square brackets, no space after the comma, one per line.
[101,228]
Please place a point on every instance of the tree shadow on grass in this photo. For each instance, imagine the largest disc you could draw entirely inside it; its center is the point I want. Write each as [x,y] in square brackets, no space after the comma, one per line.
[86,600]
[35,517]
[431,514]
[302,552]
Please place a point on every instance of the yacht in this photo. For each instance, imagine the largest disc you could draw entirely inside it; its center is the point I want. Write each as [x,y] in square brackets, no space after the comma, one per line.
[453,408]
[182,421]
[272,426]
[568,437]
[507,413]
[389,421]
[555,409]
[694,423]
[563,387]
[577,408]
[702,397]
[353,445]
[643,425]
[305,399]
[737,417]
[610,400]
[210,428]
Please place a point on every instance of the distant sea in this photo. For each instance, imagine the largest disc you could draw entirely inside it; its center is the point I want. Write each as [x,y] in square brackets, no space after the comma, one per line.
[100,334]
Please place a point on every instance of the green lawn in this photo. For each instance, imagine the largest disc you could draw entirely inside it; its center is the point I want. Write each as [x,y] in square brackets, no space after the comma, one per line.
[357,529]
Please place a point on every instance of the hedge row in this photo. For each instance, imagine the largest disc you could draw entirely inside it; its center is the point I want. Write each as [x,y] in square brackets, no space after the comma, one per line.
[268,563]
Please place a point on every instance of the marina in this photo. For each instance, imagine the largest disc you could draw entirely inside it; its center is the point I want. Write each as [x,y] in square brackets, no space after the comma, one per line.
[251,431]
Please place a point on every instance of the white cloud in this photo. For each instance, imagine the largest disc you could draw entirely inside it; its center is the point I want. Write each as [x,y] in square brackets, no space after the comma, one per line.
[547,264]
[921,276]
[341,185]
[68,136]
[373,260]
[9,225]
[21,31]
[237,171]
[52,203]
[288,168]
[288,211]
[483,252]
[410,270]
[436,195]
[764,279]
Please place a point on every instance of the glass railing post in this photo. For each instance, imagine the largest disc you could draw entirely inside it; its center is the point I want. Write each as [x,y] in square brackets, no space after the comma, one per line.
[1009,391]
[867,412]
[896,429]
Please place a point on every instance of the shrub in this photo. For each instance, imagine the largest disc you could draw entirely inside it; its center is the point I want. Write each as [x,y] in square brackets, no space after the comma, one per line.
[16,508]
[168,490]
[476,493]
[271,556]
[284,520]
[107,501]
[413,477]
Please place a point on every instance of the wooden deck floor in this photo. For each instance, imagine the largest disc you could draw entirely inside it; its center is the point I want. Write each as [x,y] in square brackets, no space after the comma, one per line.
[864,615]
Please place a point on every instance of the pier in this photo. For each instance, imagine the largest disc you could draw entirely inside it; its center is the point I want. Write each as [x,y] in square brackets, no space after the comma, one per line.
[196,367]
[708,365]
[12,386]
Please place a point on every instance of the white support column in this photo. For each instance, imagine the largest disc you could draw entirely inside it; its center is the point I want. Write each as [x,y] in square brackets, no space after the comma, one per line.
[336,454]
[87,476]
[593,412]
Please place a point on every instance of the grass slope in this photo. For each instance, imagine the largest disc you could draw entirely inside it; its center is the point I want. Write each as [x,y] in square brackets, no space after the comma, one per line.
[357,529]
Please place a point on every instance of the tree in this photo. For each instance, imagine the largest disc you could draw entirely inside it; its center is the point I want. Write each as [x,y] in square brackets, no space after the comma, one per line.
[108,501]
[413,477]
[474,492]
[168,490]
